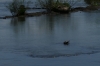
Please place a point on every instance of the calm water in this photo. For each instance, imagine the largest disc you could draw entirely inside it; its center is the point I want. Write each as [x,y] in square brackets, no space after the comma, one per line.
[44,35]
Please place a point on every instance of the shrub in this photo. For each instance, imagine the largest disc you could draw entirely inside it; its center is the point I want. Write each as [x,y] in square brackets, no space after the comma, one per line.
[16,7]
[51,4]
[21,10]
[54,4]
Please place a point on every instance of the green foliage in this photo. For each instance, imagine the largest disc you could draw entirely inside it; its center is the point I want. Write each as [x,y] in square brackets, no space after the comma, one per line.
[51,4]
[21,10]
[16,7]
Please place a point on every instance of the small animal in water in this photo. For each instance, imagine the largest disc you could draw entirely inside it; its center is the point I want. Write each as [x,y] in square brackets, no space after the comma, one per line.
[66,42]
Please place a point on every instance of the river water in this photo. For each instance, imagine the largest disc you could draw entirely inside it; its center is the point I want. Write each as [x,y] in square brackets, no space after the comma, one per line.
[43,36]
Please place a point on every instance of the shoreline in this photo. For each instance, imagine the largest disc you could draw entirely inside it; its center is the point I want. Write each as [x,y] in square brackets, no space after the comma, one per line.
[84,9]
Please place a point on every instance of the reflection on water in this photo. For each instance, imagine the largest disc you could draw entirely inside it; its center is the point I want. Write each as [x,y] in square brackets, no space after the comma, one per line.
[44,35]
[18,23]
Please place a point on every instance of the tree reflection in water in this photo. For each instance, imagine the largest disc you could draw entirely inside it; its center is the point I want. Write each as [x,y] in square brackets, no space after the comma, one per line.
[18,23]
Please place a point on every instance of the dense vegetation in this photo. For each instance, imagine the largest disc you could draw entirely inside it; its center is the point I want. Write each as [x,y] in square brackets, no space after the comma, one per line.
[53,4]
[16,7]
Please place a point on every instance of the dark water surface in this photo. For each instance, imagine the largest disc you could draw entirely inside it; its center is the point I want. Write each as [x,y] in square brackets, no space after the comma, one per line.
[44,35]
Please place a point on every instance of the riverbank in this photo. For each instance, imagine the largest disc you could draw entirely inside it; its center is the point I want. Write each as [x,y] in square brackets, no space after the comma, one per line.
[84,9]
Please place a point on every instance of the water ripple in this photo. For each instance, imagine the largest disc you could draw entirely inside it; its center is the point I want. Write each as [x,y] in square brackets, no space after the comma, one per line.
[62,55]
